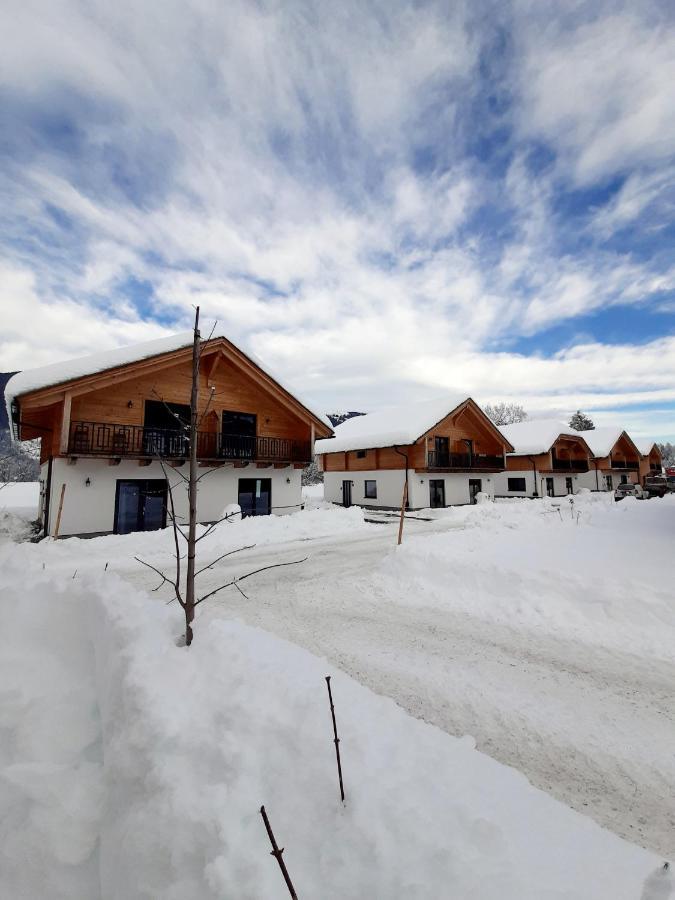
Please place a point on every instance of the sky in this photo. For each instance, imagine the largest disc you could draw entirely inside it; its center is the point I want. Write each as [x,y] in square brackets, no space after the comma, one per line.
[383,200]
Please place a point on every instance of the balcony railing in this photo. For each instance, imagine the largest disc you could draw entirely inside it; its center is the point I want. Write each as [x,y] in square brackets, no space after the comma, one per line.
[438,459]
[146,441]
[624,464]
[570,465]
[655,467]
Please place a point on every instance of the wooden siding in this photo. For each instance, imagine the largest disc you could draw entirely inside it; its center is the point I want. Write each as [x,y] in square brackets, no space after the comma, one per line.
[123,402]
[466,423]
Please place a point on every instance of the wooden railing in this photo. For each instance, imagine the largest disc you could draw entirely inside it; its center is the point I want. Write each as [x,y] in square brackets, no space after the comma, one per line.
[439,459]
[624,464]
[570,465]
[113,440]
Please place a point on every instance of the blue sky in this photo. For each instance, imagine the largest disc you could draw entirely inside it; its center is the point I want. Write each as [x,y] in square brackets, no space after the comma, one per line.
[383,200]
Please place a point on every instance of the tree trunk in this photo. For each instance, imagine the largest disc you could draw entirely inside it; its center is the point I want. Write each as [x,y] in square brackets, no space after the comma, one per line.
[192,487]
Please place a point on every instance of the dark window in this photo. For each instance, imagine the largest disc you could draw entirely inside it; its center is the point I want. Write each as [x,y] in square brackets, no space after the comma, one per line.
[624,479]
[165,430]
[238,436]
[361,454]
[239,423]
[569,485]
[371,490]
[517,484]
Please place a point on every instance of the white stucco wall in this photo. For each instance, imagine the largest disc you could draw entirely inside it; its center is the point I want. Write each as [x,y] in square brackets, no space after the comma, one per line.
[90,508]
[588,479]
[390,487]
[579,480]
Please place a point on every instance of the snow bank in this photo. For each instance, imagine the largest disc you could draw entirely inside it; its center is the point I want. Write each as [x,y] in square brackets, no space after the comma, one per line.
[593,570]
[18,509]
[165,754]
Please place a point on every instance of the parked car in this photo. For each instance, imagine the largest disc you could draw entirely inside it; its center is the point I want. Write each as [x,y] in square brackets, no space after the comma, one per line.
[670,483]
[630,490]
[656,485]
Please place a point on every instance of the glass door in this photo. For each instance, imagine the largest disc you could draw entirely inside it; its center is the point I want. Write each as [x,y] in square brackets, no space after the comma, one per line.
[346,493]
[475,487]
[140,505]
[255,496]
[437,493]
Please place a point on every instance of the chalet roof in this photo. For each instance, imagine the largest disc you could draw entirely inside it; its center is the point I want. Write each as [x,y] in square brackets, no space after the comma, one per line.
[602,439]
[644,445]
[68,370]
[394,426]
[537,435]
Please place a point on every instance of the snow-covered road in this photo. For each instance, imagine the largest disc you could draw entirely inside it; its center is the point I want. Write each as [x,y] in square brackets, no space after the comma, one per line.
[593,725]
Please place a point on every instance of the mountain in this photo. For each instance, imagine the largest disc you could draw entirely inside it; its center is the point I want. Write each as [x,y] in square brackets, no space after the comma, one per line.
[337,418]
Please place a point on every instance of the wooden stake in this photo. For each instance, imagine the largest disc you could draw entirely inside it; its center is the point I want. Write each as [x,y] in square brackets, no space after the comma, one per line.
[336,740]
[403,502]
[58,515]
[276,853]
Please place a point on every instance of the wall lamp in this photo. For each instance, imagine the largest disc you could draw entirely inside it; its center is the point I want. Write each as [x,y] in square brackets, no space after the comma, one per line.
[87,483]
[130,403]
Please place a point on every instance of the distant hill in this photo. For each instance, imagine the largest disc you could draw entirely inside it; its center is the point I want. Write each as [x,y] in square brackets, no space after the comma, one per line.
[337,418]
[4,378]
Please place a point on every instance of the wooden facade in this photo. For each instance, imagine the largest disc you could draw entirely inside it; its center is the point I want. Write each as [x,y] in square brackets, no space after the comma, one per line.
[67,414]
[469,441]
[567,454]
[650,463]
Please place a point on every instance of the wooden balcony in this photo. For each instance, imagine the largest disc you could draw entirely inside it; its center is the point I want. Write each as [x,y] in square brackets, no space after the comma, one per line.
[112,441]
[624,464]
[471,462]
[570,465]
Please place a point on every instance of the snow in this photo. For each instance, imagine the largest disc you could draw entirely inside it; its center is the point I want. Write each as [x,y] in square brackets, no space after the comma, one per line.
[390,427]
[644,445]
[536,435]
[601,440]
[18,509]
[58,373]
[130,767]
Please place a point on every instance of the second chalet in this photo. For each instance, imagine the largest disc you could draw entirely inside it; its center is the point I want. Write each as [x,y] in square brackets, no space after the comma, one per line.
[444,453]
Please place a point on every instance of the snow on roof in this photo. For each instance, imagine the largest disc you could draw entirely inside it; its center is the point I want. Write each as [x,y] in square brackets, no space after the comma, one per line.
[536,435]
[644,445]
[389,427]
[602,439]
[58,373]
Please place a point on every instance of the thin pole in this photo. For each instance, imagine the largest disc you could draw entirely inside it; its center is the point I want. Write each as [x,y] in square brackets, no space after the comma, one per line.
[192,487]
[58,515]
[336,740]
[403,502]
[276,853]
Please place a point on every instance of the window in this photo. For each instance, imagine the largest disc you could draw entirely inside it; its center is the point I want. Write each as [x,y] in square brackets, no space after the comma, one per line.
[517,484]
[361,454]
[370,491]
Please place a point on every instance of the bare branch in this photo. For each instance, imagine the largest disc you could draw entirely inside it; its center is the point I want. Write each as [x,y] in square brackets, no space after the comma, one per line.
[294,562]
[229,553]
[165,579]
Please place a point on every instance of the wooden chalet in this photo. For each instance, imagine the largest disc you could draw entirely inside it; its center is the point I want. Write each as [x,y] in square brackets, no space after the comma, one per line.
[112,425]
[444,452]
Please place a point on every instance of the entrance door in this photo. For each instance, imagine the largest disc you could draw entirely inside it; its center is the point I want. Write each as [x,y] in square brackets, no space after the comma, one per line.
[550,487]
[140,505]
[436,493]
[609,483]
[346,493]
[475,487]
[569,486]
[255,496]
[624,479]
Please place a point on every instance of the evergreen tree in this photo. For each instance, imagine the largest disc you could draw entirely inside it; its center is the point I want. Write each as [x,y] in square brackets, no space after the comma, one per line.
[581,422]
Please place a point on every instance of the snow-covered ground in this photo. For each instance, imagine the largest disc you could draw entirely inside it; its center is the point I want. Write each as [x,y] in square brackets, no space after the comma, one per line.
[548,636]
[18,508]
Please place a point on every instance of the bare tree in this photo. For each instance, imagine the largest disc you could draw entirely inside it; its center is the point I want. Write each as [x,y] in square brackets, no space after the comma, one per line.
[187,596]
[505,413]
